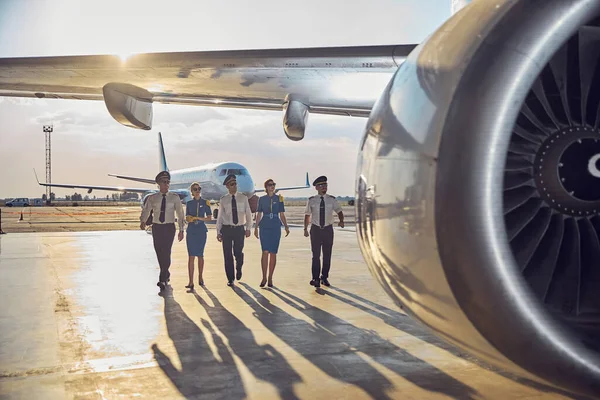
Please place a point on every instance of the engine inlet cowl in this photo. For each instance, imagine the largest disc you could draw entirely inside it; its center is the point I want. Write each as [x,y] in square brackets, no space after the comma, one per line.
[478,190]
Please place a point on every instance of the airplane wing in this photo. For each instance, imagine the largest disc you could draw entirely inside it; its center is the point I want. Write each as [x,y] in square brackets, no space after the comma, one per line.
[133,178]
[306,185]
[182,193]
[90,188]
[335,80]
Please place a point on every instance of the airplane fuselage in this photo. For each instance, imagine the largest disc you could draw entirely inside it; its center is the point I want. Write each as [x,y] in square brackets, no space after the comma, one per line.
[211,177]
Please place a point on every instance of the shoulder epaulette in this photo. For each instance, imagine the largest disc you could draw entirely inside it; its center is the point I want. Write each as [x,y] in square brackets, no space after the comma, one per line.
[333,197]
[280,197]
[311,197]
[225,195]
[208,203]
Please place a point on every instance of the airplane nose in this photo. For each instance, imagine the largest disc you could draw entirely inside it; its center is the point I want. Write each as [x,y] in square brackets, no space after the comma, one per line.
[245,185]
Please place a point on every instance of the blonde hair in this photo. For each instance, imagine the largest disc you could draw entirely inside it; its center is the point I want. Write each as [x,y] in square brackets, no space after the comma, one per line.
[195,184]
[267,181]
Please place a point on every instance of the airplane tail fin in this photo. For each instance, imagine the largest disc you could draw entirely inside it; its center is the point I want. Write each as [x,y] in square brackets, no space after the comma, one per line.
[162,159]
[307,183]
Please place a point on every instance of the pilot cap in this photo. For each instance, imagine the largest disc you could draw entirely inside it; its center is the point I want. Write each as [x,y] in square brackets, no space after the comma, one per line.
[229,178]
[319,180]
[162,174]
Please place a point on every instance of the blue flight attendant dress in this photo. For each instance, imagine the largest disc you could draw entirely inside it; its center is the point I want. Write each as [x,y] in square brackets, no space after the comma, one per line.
[270,224]
[196,230]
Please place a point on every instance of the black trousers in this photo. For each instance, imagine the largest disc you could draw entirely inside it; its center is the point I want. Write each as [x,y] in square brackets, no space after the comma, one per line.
[321,239]
[163,236]
[233,239]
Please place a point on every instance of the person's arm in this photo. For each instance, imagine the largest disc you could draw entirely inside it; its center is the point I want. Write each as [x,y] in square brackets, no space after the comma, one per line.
[248,216]
[179,212]
[341,217]
[282,215]
[306,222]
[188,213]
[208,212]
[285,224]
[220,219]
[338,209]
[258,218]
[145,213]
[306,217]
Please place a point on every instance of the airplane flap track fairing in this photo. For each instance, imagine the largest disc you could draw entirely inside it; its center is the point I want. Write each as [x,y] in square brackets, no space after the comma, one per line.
[478,193]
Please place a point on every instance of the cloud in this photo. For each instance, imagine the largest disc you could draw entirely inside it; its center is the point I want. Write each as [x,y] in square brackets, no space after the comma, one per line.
[187,116]
[24,101]
[87,144]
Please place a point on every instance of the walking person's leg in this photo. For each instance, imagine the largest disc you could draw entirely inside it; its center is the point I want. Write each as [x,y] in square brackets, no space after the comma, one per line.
[227,253]
[238,250]
[327,249]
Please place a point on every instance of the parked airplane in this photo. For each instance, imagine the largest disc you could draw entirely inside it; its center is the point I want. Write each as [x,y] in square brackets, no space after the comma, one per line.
[486,132]
[210,177]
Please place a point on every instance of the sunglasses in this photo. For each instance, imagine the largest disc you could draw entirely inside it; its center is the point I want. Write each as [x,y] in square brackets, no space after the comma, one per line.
[271,184]
[232,184]
[165,181]
[196,189]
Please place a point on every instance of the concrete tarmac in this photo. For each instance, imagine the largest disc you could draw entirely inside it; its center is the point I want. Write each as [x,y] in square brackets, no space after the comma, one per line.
[81,318]
[104,218]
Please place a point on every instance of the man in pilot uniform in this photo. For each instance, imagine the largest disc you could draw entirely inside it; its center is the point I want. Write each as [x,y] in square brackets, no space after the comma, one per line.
[233,226]
[163,205]
[319,210]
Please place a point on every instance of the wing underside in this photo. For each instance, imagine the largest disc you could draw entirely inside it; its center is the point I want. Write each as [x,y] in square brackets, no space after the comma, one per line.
[337,80]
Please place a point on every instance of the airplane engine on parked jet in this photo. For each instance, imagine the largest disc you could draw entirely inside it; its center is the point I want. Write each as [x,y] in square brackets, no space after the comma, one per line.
[253,201]
[478,188]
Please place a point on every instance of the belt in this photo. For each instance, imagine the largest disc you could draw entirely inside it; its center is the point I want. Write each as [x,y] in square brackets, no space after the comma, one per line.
[317,226]
[233,226]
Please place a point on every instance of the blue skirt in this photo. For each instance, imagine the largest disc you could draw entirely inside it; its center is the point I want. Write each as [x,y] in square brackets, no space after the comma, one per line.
[195,243]
[270,238]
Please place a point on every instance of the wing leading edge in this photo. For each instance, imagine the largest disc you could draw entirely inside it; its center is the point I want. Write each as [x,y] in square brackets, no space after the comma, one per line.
[335,80]
[306,186]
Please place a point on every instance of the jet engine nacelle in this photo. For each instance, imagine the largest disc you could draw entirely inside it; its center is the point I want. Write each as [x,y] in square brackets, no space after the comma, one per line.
[478,196]
[253,201]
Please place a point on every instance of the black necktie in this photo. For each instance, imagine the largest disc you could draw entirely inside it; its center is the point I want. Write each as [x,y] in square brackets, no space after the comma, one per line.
[163,206]
[234,210]
[322,212]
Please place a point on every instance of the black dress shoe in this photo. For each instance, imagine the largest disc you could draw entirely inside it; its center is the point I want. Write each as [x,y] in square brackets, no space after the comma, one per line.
[230,283]
[238,276]
[325,282]
[317,283]
[161,285]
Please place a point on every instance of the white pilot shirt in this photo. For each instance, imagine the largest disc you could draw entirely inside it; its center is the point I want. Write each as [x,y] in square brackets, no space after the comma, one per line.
[313,208]
[172,206]
[243,210]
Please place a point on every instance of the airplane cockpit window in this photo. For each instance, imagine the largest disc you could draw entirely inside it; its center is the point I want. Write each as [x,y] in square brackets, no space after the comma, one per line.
[237,171]
[223,172]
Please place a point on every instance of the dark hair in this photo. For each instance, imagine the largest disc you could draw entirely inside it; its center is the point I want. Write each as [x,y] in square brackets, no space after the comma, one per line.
[267,182]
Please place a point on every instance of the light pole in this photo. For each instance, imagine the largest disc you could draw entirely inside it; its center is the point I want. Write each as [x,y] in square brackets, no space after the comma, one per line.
[48,130]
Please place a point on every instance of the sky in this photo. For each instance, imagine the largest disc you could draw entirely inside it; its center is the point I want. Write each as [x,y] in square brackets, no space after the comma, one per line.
[87,144]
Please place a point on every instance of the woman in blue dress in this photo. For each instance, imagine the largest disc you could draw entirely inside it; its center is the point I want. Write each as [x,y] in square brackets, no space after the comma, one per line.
[269,218]
[197,211]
